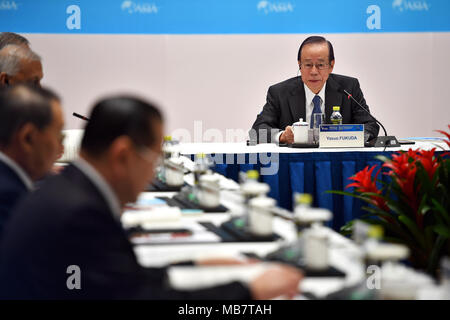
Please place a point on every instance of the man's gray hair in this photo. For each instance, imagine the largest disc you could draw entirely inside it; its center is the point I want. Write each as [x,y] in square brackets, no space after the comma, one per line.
[12,55]
[12,38]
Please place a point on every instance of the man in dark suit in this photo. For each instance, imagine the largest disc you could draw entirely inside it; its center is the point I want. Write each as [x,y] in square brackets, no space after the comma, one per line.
[21,65]
[72,223]
[30,129]
[317,90]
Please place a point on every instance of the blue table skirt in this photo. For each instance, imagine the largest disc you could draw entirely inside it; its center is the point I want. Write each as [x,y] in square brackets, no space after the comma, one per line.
[312,173]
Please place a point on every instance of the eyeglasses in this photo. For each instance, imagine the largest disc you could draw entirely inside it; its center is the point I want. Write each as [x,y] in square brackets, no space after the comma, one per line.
[149,155]
[309,65]
[62,137]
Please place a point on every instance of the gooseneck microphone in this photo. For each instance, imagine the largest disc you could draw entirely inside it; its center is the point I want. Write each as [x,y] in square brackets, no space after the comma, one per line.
[80,116]
[349,96]
[386,141]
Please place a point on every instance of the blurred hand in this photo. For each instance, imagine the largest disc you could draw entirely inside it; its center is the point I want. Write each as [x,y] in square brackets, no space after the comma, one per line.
[225,261]
[56,169]
[287,136]
[278,281]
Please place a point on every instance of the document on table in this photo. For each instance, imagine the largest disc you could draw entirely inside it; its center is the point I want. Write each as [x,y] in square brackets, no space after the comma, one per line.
[187,233]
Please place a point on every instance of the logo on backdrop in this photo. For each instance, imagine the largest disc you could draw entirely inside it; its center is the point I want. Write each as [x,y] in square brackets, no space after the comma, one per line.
[274,7]
[143,8]
[405,5]
[74,20]
[8,5]
[373,22]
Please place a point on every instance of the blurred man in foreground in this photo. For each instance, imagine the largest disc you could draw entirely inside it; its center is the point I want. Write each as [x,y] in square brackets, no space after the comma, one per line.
[73,222]
[30,128]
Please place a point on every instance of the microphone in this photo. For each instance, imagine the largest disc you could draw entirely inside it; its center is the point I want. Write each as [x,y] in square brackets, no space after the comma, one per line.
[80,116]
[386,141]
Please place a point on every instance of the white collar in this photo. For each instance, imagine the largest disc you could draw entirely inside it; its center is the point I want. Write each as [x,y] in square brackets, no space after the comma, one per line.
[101,184]
[23,176]
[309,95]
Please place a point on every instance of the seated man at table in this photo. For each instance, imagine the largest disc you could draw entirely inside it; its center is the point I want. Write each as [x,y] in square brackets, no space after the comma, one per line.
[317,90]
[19,64]
[30,127]
[73,222]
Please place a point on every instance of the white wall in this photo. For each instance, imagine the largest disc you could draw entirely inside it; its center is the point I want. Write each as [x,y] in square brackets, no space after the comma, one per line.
[223,79]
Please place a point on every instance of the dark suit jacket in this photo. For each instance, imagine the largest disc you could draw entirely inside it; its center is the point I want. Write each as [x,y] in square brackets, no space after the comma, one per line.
[67,222]
[12,189]
[286,105]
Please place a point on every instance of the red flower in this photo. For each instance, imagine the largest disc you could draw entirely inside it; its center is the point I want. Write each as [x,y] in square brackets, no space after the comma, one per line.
[428,161]
[365,183]
[447,141]
[403,170]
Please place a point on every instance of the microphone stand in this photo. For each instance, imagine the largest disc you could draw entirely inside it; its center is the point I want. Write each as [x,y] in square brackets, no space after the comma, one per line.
[80,116]
[378,142]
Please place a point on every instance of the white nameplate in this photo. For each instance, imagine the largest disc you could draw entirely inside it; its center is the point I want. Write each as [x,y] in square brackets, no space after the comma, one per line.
[341,136]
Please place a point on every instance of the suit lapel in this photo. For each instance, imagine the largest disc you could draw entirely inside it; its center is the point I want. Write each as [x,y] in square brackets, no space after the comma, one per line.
[332,98]
[297,101]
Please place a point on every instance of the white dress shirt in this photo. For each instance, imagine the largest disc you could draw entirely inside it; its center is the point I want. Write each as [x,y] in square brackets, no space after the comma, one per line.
[309,105]
[101,184]
[309,95]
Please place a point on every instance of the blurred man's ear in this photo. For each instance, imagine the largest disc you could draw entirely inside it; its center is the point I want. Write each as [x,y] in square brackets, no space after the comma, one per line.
[26,137]
[121,148]
[4,79]
[120,155]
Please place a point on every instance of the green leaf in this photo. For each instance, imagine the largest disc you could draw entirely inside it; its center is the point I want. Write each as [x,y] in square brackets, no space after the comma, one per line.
[395,229]
[395,240]
[413,229]
[443,193]
[400,208]
[424,209]
[435,254]
[382,158]
[343,193]
[429,237]
[373,194]
[354,195]
[442,231]
[422,182]
[441,210]
[347,229]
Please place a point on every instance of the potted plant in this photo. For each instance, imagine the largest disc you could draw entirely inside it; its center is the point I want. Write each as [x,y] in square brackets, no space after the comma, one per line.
[412,205]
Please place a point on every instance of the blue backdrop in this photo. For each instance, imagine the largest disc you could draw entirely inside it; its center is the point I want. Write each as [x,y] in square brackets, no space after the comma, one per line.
[224,17]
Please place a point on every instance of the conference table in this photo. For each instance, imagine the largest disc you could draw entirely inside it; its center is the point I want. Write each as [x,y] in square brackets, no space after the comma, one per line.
[343,253]
[303,170]
[346,256]
[289,170]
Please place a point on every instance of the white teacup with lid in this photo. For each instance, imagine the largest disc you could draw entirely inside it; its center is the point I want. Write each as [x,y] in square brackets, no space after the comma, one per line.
[260,216]
[316,248]
[300,130]
[174,172]
[209,191]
